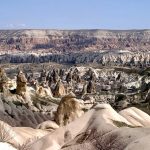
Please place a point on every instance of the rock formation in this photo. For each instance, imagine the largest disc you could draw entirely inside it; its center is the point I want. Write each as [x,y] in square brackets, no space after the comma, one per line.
[59,90]
[43,76]
[104,58]
[100,115]
[101,128]
[84,90]
[22,89]
[106,47]
[43,91]
[21,83]
[3,80]
[55,76]
[91,87]
[68,110]
[63,40]
[69,77]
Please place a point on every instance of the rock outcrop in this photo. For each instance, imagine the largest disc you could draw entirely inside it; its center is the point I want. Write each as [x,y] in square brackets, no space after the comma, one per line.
[59,89]
[21,84]
[68,110]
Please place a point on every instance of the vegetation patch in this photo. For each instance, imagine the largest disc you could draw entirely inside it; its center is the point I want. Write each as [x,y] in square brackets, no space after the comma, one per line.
[123,124]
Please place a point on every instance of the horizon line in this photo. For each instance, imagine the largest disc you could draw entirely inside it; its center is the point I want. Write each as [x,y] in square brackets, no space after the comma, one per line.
[75,29]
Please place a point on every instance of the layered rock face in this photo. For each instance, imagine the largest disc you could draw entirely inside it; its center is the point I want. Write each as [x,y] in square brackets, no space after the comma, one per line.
[74,40]
[107,47]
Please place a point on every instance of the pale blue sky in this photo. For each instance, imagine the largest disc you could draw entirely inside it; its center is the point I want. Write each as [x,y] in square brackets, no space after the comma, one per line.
[75,14]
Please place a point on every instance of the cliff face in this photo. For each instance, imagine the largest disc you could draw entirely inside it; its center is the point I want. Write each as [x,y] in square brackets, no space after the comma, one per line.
[108,58]
[74,40]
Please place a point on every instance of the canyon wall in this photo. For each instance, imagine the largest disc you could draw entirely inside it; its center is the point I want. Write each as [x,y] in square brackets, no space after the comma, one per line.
[74,40]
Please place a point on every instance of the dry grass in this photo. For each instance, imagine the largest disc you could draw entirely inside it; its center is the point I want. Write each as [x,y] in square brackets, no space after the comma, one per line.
[94,140]
[27,145]
[6,134]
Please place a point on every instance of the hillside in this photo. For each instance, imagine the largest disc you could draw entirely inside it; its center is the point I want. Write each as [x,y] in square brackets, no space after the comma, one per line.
[74,40]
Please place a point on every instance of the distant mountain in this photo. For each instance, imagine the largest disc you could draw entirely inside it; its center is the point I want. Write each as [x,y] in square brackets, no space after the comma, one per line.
[74,40]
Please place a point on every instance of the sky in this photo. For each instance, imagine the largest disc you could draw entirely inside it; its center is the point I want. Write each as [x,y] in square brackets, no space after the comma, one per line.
[75,14]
